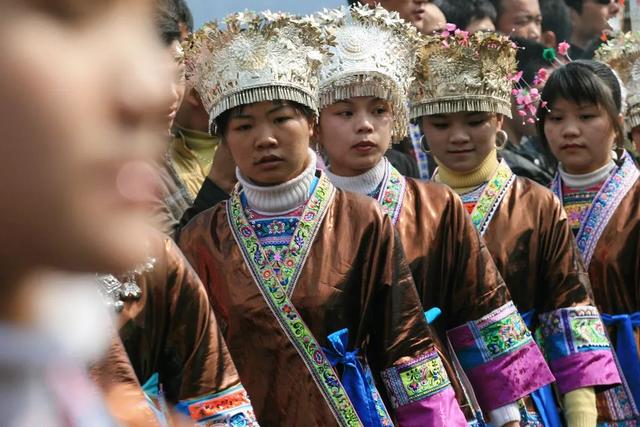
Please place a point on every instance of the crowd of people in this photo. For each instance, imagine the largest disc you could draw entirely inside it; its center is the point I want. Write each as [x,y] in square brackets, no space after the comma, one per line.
[404,212]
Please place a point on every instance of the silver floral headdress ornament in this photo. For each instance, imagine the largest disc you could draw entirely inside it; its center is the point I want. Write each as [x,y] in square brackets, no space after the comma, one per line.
[373,54]
[622,54]
[458,71]
[257,57]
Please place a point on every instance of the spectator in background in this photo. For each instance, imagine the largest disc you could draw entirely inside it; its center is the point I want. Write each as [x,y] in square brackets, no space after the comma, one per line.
[556,22]
[434,20]
[413,11]
[589,18]
[470,15]
[520,18]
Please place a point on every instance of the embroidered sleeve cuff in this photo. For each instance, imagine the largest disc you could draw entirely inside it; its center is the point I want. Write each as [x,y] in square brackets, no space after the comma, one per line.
[500,358]
[231,407]
[505,414]
[577,348]
[421,393]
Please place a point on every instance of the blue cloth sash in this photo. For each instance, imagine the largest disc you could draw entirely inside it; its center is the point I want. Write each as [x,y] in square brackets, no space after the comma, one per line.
[543,397]
[357,382]
[626,348]
[153,394]
[432,314]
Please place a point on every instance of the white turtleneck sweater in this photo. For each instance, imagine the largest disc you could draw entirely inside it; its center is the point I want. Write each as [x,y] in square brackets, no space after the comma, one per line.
[281,198]
[588,179]
[365,183]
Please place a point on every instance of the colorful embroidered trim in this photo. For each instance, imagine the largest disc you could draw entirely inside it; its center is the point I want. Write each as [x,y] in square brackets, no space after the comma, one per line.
[304,235]
[277,297]
[489,201]
[230,407]
[391,194]
[621,407]
[604,205]
[572,330]
[498,333]
[415,380]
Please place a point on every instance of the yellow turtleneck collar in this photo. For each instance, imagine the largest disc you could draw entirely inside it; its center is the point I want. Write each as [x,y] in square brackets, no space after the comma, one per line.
[462,183]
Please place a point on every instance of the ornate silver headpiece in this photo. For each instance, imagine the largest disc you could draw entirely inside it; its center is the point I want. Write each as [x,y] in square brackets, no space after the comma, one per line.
[258,57]
[458,72]
[373,55]
[622,54]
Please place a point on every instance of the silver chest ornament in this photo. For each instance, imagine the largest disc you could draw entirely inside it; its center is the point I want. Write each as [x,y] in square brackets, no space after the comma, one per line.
[116,292]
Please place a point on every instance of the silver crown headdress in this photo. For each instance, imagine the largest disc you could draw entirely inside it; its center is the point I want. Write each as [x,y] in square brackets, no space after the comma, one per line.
[622,54]
[372,54]
[258,57]
[458,72]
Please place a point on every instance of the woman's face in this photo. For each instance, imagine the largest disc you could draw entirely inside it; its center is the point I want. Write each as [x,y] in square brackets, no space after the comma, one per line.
[83,102]
[581,137]
[269,141]
[461,141]
[355,134]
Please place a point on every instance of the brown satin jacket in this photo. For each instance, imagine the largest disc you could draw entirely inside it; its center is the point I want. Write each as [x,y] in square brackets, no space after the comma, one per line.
[172,331]
[355,277]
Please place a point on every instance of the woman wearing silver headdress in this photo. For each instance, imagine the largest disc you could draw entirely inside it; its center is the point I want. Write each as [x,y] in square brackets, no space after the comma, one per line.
[363,94]
[301,275]
[462,92]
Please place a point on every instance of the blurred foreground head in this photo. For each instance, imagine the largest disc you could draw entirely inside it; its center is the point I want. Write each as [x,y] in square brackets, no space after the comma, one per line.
[83,101]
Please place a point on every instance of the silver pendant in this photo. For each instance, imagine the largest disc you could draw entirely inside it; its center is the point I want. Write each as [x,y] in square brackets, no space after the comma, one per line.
[131,291]
[115,293]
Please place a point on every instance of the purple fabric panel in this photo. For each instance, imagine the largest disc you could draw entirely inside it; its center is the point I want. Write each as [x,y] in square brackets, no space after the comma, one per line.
[510,377]
[438,410]
[585,369]
[461,337]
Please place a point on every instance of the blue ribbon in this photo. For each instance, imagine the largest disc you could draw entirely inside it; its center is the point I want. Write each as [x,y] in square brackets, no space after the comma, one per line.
[626,348]
[543,397]
[354,378]
[152,393]
[432,314]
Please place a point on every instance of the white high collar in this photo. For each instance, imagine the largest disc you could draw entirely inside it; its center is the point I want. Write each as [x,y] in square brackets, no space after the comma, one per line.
[281,198]
[365,183]
[588,179]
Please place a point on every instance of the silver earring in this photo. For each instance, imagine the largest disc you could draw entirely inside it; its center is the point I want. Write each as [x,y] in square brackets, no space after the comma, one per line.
[423,145]
[501,139]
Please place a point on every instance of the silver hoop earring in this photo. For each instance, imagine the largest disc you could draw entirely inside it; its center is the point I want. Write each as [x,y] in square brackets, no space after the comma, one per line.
[423,145]
[501,139]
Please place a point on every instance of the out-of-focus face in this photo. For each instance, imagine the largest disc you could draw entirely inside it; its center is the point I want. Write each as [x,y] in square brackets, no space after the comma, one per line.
[355,134]
[581,137]
[434,20]
[593,19]
[269,142]
[461,141]
[521,18]
[178,83]
[484,24]
[83,102]
[410,10]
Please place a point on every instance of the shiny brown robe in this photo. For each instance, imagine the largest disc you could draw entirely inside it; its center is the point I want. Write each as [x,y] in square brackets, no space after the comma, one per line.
[355,277]
[171,330]
[614,270]
[449,262]
[615,266]
[122,392]
[533,247]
